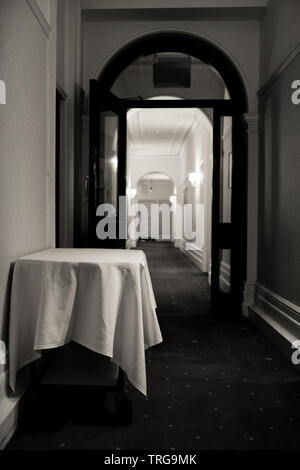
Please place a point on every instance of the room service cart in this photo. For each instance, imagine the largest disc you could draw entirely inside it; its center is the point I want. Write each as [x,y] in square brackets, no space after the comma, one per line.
[97,305]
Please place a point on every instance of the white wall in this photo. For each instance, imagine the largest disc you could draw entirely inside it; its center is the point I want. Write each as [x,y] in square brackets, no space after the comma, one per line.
[27,146]
[138,166]
[160,189]
[197,157]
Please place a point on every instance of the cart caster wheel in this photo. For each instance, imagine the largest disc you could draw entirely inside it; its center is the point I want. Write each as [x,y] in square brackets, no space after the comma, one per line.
[123,409]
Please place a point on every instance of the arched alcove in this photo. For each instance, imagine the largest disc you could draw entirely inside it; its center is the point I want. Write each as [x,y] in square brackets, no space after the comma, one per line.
[180,42]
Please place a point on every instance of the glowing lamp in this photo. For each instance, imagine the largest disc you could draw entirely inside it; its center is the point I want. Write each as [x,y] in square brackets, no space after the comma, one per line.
[173,199]
[195,178]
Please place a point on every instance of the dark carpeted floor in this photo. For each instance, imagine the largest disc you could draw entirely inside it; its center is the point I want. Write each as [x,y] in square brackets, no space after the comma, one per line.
[214,383]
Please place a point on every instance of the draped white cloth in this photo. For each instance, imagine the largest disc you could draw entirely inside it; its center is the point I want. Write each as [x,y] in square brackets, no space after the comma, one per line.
[100,298]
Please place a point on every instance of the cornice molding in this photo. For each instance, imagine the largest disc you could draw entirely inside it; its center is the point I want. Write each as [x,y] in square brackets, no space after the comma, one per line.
[40,17]
[279,71]
[289,309]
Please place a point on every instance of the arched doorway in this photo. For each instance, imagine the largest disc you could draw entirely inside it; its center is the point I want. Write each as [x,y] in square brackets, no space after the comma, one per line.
[108,111]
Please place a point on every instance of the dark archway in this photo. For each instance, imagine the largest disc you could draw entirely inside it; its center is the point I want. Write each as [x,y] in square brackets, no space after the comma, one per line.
[185,43]
[225,236]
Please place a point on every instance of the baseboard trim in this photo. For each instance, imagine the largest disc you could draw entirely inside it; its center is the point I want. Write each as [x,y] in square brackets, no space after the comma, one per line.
[7,412]
[179,244]
[277,318]
[8,425]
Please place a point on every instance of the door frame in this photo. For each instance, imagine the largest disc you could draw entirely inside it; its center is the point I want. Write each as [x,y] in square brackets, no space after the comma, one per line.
[237,106]
[224,235]
[60,98]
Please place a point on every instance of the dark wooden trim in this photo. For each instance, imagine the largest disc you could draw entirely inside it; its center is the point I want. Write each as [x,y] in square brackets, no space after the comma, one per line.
[79,99]
[225,106]
[239,209]
[122,166]
[185,43]
[61,91]
[110,102]
[57,168]
[94,123]
[224,236]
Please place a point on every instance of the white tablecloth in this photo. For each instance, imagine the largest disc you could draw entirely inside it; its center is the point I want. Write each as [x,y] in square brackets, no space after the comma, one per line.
[102,299]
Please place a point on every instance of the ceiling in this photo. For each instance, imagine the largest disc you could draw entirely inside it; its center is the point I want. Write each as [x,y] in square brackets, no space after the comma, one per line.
[159,132]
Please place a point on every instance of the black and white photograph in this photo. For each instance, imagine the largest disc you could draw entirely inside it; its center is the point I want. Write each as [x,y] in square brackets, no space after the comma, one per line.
[149,229]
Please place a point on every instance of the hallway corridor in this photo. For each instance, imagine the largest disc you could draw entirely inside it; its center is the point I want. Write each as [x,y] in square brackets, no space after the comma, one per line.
[180,289]
[214,383]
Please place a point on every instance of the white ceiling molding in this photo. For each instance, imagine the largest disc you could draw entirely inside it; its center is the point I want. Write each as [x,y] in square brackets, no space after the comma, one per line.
[152,132]
[279,71]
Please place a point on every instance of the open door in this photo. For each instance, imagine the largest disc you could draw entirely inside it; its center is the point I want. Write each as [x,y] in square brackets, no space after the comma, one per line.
[107,169]
[228,211]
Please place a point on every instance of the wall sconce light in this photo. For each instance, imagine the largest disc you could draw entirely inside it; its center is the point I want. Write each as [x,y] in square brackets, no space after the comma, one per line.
[173,199]
[114,162]
[195,177]
[132,193]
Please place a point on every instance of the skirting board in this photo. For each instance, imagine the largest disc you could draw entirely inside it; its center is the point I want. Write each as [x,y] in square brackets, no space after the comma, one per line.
[195,255]
[9,407]
[8,412]
[277,318]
